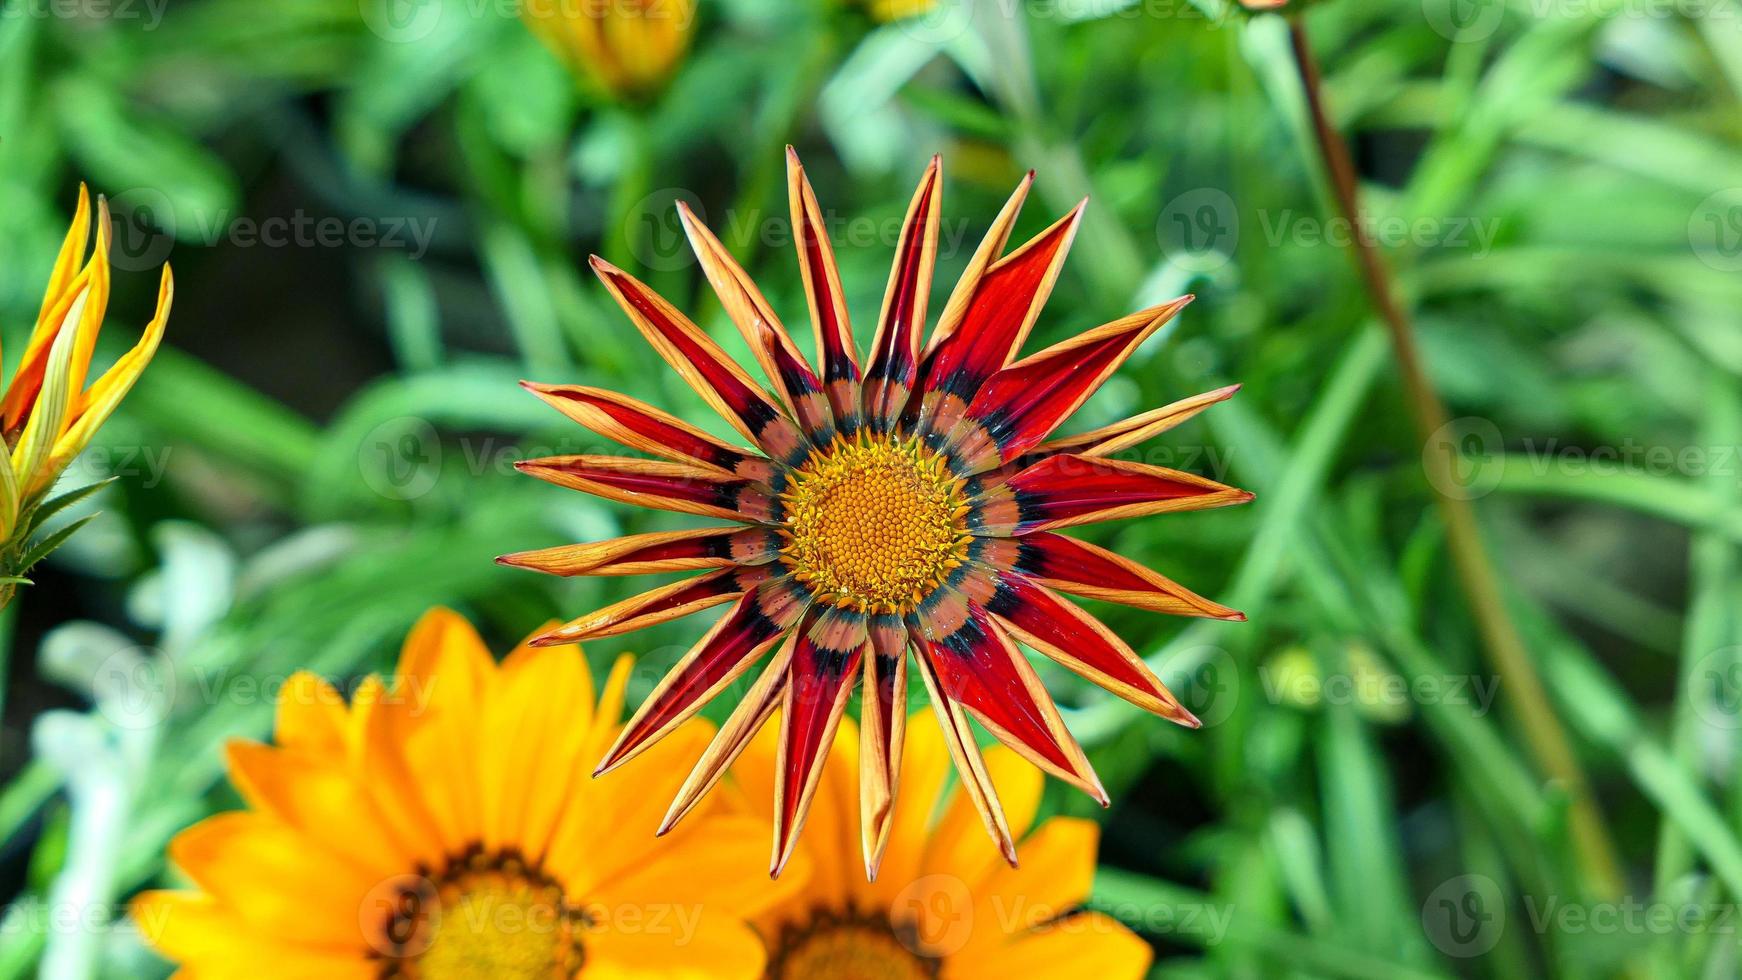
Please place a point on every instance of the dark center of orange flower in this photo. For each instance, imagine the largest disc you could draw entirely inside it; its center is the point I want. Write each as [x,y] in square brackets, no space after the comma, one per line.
[487,917]
[849,947]
[874,523]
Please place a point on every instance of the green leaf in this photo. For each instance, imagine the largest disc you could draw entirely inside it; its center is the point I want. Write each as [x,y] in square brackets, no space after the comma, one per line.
[55,505]
[43,548]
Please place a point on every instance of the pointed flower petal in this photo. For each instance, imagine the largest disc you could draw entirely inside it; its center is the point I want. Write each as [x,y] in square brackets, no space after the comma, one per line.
[1139,428]
[735,642]
[656,484]
[642,427]
[1067,490]
[997,317]
[735,735]
[895,350]
[982,670]
[1060,629]
[1084,569]
[660,551]
[1021,404]
[781,360]
[882,733]
[825,666]
[668,602]
[695,355]
[822,283]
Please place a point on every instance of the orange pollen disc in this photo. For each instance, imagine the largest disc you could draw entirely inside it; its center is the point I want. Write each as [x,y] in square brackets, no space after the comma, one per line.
[487,917]
[874,523]
[851,947]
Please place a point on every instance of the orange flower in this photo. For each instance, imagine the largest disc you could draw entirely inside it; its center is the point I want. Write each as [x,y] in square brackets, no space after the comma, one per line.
[628,48]
[47,414]
[441,828]
[943,907]
[909,501]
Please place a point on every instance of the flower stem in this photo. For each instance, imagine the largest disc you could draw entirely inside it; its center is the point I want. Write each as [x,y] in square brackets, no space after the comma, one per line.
[1544,734]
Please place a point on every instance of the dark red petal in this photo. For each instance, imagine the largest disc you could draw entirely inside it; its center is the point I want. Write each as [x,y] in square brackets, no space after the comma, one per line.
[1002,309]
[693,354]
[734,736]
[739,296]
[1129,432]
[645,428]
[825,666]
[1023,403]
[655,606]
[982,670]
[660,551]
[964,750]
[895,350]
[729,648]
[822,282]
[1088,570]
[656,484]
[882,733]
[803,392]
[1066,490]
[1058,628]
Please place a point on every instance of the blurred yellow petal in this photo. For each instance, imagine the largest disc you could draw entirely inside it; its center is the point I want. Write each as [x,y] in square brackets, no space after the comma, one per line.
[196,929]
[627,48]
[681,942]
[311,715]
[360,856]
[265,870]
[318,795]
[1088,944]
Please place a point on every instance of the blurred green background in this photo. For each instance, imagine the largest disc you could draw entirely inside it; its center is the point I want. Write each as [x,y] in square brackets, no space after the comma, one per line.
[379,211]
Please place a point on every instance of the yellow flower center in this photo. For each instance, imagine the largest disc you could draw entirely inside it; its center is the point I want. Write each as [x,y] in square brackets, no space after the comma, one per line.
[486,918]
[874,523]
[848,948]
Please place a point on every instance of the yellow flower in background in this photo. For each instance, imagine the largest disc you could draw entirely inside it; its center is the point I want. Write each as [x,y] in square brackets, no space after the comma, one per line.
[629,48]
[47,413]
[888,10]
[942,906]
[444,828]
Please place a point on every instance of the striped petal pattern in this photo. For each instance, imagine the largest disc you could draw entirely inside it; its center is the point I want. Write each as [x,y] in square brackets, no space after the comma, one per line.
[897,514]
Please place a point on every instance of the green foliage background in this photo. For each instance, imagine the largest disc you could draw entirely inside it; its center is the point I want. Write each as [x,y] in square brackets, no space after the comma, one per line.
[323,449]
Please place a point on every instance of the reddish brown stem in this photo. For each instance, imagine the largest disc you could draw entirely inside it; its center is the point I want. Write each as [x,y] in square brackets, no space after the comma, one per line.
[1544,734]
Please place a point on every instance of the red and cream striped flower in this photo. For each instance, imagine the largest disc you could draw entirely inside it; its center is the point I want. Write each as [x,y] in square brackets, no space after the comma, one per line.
[909,501]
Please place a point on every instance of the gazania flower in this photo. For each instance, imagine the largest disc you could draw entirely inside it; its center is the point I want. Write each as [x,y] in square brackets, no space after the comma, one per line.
[629,48]
[47,413]
[944,907]
[910,500]
[440,828]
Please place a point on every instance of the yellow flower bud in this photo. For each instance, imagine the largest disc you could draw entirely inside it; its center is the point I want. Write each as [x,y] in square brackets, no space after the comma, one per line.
[628,48]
